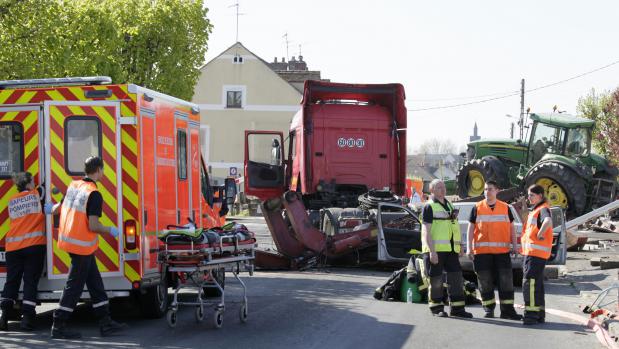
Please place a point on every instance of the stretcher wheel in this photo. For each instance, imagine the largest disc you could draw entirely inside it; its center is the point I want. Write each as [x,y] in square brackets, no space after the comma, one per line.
[199,313]
[218,319]
[171,318]
[243,313]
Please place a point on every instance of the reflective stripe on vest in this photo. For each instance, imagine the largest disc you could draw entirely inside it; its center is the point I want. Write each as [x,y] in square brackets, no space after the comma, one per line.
[27,226]
[537,247]
[530,244]
[25,236]
[74,234]
[492,234]
[443,229]
[491,244]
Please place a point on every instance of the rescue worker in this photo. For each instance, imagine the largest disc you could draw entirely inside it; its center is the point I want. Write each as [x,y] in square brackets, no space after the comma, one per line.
[25,250]
[78,235]
[441,240]
[491,237]
[536,245]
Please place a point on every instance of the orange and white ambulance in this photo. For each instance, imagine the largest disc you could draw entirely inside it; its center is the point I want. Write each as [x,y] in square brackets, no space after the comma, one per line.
[154,173]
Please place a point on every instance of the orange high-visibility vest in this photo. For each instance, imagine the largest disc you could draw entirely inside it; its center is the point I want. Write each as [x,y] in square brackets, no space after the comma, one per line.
[74,234]
[492,228]
[531,245]
[27,227]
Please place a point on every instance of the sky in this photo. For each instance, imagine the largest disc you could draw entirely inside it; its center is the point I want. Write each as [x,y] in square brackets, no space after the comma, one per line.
[443,52]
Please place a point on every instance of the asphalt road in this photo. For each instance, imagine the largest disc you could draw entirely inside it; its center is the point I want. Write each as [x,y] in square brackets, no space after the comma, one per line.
[331,308]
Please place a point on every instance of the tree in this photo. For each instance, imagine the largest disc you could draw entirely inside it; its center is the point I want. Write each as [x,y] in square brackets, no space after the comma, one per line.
[437,146]
[159,44]
[604,110]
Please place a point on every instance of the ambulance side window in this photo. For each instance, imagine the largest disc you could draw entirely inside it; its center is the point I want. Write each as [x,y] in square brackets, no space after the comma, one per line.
[181,139]
[11,149]
[82,140]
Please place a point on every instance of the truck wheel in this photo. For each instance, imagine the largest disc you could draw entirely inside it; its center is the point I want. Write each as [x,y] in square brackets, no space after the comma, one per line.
[154,302]
[562,186]
[474,173]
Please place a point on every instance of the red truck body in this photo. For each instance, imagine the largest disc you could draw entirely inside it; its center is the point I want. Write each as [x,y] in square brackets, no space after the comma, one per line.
[347,139]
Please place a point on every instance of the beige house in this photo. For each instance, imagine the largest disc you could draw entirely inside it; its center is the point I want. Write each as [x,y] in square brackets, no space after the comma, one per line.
[238,91]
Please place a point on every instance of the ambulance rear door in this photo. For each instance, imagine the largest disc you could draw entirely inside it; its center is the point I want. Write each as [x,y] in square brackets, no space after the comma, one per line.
[19,151]
[75,130]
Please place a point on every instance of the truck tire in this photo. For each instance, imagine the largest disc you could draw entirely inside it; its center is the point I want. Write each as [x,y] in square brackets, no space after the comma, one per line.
[154,301]
[474,173]
[562,185]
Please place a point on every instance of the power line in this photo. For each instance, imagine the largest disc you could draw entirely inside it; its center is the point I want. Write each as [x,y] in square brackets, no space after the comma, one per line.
[515,92]
[460,98]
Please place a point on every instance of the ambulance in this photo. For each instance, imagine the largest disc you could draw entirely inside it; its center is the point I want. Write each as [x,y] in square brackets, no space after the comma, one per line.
[154,174]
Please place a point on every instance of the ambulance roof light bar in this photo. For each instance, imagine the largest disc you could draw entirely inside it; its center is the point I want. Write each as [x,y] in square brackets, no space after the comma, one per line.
[86,80]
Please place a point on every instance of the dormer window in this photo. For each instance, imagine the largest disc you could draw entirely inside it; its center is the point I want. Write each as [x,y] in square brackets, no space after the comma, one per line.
[237,59]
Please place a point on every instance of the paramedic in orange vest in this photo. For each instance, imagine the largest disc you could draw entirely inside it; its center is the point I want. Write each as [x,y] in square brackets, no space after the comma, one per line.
[491,238]
[25,249]
[78,235]
[536,245]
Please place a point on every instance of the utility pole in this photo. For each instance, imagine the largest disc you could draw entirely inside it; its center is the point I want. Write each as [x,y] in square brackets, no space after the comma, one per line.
[521,121]
[511,132]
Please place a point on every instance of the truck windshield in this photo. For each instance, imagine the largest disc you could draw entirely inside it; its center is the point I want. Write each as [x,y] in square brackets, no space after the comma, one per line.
[578,141]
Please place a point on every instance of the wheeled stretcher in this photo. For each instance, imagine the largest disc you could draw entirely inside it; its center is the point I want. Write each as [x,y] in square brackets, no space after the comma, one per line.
[199,259]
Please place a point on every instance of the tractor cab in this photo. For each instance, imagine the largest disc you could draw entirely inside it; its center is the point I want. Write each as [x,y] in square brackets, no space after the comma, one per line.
[559,134]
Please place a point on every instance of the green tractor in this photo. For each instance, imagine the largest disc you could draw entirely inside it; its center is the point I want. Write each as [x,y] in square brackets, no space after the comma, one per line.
[556,156]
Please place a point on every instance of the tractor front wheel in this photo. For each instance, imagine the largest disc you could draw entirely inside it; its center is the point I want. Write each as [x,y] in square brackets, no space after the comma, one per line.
[473,175]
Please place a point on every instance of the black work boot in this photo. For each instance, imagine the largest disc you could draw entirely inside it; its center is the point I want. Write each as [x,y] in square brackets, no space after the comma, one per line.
[510,314]
[461,313]
[27,322]
[108,327]
[60,331]
[4,321]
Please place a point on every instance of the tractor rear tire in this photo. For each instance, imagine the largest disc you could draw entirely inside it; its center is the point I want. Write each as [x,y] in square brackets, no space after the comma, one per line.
[569,184]
[475,173]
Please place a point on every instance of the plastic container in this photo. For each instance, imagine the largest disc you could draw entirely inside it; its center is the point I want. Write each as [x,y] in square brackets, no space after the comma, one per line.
[409,288]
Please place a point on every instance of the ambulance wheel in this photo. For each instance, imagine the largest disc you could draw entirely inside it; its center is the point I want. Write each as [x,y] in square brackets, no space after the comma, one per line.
[154,301]
[243,313]
[218,318]
[199,313]
[171,318]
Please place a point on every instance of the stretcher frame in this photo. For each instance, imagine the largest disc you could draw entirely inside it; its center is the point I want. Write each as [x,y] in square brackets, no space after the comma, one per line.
[195,270]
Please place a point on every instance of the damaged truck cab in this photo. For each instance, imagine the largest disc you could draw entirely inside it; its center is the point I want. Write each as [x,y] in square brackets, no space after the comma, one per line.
[347,141]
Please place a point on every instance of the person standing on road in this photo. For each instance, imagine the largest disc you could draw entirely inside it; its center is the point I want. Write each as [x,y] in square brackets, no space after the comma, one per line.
[78,235]
[491,237]
[441,240]
[25,249]
[536,245]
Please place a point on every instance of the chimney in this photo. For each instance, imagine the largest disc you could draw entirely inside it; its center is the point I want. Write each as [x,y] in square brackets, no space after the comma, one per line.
[300,58]
[283,59]
[275,60]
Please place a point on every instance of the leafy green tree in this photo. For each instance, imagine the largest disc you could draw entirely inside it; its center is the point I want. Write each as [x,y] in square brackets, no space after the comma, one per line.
[604,110]
[159,44]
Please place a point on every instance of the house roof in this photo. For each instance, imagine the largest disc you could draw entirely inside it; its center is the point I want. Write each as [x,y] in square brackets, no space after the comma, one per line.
[238,43]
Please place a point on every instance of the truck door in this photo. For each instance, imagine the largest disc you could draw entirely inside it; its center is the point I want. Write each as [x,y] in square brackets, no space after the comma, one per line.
[19,151]
[264,164]
[399,231]
[558,255]
[73,132]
